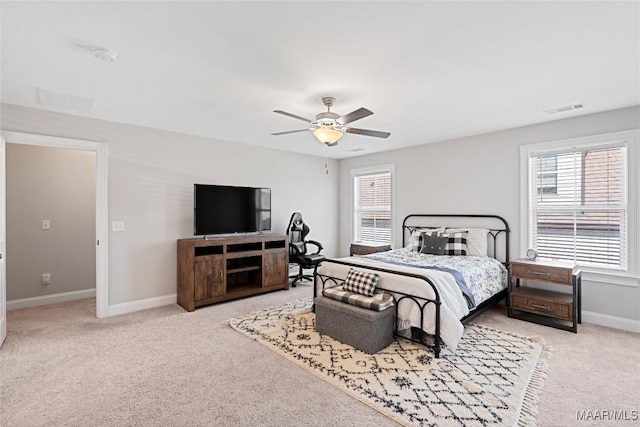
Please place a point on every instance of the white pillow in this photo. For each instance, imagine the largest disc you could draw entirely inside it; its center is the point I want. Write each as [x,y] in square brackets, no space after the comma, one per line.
[476,240]
[414,239]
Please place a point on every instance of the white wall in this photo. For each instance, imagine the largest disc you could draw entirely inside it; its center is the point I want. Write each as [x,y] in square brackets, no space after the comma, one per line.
[151,176]
[481,174]
[58,185]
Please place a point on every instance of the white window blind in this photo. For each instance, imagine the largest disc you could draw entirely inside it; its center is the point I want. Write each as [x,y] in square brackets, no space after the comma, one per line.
[578,206]
[372,210]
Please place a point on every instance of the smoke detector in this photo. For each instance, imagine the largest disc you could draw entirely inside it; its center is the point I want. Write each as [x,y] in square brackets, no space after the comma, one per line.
[103,54]
[564,108]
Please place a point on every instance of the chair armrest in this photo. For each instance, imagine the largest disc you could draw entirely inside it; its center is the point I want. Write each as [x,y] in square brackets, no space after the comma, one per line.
[317,244]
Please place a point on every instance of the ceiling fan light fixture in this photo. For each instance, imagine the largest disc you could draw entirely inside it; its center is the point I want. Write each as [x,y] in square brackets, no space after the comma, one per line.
[327,134]
[330,127]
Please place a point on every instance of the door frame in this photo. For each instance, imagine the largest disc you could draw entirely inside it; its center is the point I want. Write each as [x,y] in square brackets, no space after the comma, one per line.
[3,230]
[102,229]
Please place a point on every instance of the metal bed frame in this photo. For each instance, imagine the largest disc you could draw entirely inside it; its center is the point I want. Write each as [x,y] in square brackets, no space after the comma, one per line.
[410,223]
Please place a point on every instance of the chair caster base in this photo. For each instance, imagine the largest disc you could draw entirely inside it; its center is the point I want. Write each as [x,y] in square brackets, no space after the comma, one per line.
[300,279]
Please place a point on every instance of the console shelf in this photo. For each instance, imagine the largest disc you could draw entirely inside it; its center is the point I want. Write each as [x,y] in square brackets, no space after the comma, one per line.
[220,269]
[232,255]
[241,269]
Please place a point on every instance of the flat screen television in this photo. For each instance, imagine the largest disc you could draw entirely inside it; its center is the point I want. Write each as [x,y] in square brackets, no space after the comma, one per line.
[221,209]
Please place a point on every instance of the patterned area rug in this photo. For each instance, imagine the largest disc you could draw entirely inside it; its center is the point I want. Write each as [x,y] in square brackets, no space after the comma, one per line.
[493,378]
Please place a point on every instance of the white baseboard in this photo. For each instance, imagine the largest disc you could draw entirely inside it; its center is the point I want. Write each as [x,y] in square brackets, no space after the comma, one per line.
[17,304]
[609,321]
[143,304]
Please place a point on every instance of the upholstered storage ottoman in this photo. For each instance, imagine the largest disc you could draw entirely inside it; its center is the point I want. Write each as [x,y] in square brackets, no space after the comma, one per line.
[362,328]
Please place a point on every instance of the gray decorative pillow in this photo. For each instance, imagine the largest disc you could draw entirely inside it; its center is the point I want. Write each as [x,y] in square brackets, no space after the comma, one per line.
[434,245]
[415,239]
[422,236]
[361,282]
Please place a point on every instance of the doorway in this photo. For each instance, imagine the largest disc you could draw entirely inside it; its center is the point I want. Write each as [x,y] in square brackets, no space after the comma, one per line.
[101,230]
[50,231]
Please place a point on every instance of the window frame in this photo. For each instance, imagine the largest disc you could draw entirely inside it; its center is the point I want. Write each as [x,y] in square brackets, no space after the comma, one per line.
[370,170]
[629,138]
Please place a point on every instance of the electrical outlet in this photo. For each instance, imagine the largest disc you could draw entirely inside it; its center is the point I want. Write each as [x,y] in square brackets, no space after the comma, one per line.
[46,279]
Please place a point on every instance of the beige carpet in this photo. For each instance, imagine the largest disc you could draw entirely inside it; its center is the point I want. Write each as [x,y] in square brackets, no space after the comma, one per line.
[60,366]
[493,378]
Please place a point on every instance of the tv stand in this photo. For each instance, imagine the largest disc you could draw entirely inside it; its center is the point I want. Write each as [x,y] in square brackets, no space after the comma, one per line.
[219,269]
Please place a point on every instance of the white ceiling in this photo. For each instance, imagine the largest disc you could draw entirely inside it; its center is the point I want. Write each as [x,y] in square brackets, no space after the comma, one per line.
[430,71]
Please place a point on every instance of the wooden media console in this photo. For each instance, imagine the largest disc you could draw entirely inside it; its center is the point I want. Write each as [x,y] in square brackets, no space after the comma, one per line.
[225,268]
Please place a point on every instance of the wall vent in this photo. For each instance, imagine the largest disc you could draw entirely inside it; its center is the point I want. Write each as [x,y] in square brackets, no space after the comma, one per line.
[64,100]
[564,108]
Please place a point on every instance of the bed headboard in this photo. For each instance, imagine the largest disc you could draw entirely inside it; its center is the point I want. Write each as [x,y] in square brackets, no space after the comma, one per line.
[498,229]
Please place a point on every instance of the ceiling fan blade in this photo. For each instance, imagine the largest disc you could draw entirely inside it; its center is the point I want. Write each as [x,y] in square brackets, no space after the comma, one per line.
[358,114]
[290,131]
[292,115]
[367,132]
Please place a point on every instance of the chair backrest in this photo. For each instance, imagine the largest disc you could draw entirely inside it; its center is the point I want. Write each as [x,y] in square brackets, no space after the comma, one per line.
[297,232]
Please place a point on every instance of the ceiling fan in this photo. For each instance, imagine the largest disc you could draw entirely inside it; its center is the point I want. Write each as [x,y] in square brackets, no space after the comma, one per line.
[329,127]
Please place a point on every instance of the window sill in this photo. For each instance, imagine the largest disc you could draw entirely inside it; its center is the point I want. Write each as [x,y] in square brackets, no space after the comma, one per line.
[611,279]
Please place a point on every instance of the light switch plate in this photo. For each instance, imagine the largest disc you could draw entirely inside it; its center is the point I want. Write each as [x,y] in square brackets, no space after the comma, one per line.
[117,226]
[46,224]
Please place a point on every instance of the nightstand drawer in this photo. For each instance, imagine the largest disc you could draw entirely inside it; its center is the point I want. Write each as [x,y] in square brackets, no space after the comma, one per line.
[545,273]
[535,301]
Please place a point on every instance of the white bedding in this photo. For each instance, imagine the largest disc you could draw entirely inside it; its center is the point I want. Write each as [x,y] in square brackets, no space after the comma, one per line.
[484,277]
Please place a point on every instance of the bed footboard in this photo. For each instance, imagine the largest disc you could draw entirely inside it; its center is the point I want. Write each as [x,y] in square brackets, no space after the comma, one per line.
[328,281]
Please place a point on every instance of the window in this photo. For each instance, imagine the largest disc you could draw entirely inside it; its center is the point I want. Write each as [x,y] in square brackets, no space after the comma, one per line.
[579,206]
[372,204]
[547,174]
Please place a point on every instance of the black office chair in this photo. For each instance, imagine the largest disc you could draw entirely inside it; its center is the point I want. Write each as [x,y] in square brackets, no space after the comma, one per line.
[298,231]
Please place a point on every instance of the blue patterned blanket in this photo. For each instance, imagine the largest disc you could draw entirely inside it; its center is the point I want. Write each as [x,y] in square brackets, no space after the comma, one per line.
[468,296]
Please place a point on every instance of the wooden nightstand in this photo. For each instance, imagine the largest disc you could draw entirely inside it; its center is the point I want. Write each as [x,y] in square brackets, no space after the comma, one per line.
[546,307]
[367,248]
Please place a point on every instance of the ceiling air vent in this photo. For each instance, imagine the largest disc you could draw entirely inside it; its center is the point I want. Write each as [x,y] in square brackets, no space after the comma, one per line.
[64,101]
[564,108]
